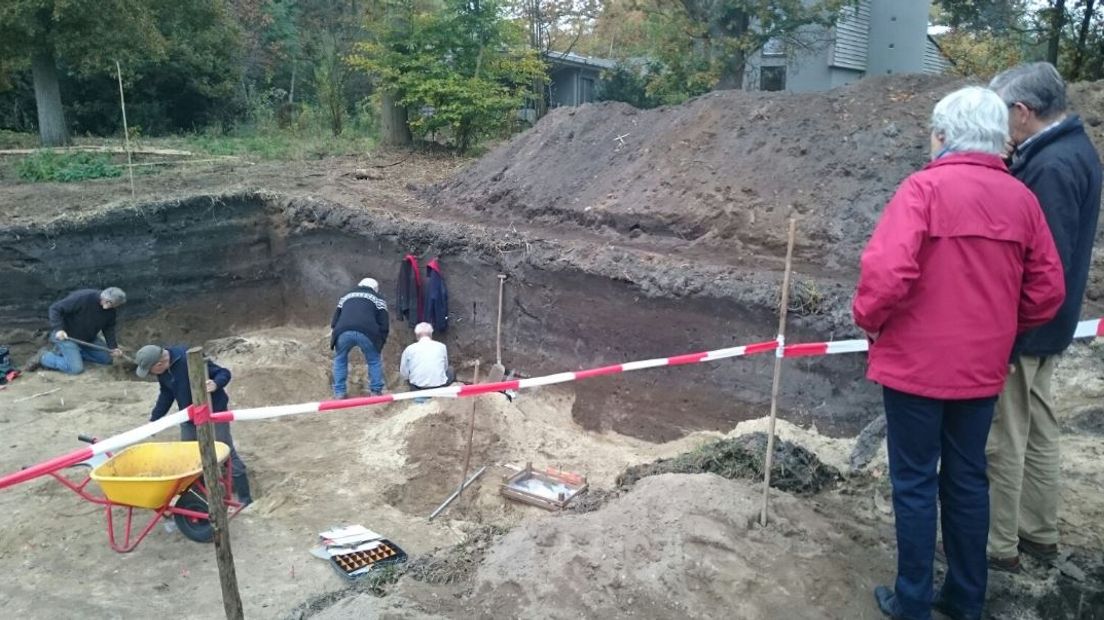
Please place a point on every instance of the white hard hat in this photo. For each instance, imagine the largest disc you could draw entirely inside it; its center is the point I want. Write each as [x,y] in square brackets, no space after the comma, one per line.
[370,283]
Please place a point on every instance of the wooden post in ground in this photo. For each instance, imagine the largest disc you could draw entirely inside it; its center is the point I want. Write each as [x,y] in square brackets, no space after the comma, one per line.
[777,370]
[126,129]
[216,506]
[471,436]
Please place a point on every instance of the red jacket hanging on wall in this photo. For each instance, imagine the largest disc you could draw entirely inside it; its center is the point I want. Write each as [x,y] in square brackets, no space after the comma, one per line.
[961,261]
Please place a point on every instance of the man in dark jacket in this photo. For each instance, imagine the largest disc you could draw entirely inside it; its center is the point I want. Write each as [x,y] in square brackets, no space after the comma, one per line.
[83,314]
[1056,160]
[170,366]
[360,321]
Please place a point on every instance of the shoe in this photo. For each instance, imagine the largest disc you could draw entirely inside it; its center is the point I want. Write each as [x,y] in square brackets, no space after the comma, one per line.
[1006,565]
[887,602]
[376,393]
[35,362]
[1041,552]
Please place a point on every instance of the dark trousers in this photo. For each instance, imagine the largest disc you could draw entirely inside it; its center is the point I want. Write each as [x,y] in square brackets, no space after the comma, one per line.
[240,477]
[923,434]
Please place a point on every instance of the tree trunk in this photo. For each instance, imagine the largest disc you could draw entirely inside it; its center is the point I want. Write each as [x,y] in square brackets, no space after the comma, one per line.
[734,63]
[393,122]
[1057,20]
[1082,40]
[51,115]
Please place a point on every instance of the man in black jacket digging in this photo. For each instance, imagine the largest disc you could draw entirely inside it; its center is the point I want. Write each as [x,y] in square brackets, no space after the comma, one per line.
[1056,160]
[360,321]
[83,314]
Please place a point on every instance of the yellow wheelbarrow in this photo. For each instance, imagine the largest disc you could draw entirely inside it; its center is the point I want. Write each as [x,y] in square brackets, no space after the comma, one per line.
[161,476]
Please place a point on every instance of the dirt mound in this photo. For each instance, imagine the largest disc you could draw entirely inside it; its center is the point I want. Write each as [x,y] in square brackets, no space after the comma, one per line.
[794,469]
[725,169]
[677,546]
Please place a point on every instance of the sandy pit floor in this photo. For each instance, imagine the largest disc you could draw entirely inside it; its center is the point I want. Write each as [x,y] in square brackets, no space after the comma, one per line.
[388,467]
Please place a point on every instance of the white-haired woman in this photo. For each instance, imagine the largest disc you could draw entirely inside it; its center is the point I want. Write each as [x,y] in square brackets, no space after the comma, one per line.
[960,262]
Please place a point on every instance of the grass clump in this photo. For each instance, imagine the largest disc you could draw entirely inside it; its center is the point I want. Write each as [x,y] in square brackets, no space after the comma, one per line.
[65,167]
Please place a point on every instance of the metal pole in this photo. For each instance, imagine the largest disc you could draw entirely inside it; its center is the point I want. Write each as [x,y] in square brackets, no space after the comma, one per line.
[777,371]
[471,435]
[498,328]
[457,492]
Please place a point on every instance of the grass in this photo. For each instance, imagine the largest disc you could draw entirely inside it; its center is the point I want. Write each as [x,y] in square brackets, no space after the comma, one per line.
[273,144]
[66,167]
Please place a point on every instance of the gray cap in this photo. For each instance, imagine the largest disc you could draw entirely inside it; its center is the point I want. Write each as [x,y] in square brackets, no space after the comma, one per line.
[146,357]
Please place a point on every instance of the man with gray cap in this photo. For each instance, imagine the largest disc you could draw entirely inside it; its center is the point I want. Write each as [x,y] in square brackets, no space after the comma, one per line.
[1056,160]
[170,366]
[83,315]
[360,321]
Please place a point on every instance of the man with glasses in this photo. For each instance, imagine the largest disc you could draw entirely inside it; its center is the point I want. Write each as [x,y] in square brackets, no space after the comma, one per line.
[1054,157]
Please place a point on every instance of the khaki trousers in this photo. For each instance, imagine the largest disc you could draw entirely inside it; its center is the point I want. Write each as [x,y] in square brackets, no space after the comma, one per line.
[1022,452]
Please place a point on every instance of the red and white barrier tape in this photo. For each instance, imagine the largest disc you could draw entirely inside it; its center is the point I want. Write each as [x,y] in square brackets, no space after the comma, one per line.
[1085,329]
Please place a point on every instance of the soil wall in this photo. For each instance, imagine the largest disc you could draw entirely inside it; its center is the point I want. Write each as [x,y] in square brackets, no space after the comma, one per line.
[208,267]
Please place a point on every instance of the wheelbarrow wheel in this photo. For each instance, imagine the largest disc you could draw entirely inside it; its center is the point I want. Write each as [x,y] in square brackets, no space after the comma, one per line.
[193,528]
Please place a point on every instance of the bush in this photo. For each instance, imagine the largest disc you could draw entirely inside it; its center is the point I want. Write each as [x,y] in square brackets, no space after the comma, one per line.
[67,167]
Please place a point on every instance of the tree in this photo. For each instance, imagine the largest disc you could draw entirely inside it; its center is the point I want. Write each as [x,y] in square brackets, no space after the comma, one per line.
[88,35]
[464,70]
[729,31]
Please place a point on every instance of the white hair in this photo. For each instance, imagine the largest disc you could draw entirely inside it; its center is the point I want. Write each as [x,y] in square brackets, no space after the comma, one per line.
[114,296]
[370,283]
[971,119]
[423,329]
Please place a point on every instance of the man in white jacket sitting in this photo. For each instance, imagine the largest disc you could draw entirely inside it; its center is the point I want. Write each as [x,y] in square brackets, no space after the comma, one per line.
[425,364]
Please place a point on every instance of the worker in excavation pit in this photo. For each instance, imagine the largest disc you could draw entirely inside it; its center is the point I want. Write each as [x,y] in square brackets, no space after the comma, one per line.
[170,366]
[359,321]
[83,314]
[961,262]
[425,363]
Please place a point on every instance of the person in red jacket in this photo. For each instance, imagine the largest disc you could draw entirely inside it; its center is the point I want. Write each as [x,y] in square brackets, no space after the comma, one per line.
[959,264]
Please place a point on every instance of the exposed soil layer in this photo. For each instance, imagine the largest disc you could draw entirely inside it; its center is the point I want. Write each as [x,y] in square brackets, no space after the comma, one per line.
[212,266]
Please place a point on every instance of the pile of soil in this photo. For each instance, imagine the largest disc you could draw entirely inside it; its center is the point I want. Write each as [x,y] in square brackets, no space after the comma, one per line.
[722,173]
[793,469]
[676,546]
[724,170]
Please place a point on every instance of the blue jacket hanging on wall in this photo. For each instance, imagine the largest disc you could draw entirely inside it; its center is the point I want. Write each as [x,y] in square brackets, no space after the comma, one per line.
[436,297]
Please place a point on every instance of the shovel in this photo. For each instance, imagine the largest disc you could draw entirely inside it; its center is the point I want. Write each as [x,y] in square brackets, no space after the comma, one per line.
[98,347]
[498,371]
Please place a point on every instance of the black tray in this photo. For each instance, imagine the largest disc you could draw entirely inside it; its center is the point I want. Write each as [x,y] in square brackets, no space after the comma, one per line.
[362,559]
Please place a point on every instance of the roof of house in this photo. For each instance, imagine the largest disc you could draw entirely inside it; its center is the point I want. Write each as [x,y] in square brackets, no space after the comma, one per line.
[577,60]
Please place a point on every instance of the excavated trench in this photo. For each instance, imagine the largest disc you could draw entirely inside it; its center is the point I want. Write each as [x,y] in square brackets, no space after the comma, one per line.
[214,266]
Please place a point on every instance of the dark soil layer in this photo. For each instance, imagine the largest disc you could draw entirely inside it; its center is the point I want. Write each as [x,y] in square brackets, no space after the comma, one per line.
[210,266]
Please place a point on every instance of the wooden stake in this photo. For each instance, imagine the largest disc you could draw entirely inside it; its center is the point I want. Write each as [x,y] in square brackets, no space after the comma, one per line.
[471,436]
[126,129]
[216,506]
[777,370]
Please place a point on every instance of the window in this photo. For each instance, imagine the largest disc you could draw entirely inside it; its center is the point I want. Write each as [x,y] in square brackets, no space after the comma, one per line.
[774,47]
[772,78]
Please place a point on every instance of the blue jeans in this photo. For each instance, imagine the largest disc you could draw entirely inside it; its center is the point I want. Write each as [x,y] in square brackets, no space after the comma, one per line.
[923,433]
[345,342]
[69,357]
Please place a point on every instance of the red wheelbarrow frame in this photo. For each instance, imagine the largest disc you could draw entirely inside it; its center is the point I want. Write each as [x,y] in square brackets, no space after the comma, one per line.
[164,512]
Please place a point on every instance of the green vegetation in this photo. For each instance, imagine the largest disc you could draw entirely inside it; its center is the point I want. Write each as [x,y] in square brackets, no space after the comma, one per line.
[66,166]
[462,72]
